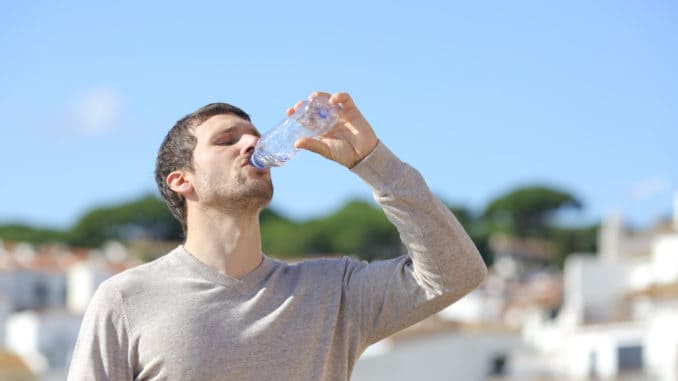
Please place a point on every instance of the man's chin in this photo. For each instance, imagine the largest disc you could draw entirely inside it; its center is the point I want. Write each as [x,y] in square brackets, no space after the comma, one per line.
[260,195]
[250,194]
[263,199]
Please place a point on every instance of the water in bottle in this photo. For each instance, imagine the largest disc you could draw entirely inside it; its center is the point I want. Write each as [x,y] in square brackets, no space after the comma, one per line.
[313,118]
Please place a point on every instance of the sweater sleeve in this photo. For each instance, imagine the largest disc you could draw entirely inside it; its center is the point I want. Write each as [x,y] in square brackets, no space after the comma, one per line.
[101,351]
[442,264]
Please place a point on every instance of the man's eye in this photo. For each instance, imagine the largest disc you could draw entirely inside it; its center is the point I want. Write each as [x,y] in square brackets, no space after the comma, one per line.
[227,142]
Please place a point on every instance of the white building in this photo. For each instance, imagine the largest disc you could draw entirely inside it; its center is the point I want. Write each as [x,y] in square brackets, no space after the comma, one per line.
[44,340]
[32,279]
[619,316]
[36,287]
[441,355]
[5,309]
[84,277]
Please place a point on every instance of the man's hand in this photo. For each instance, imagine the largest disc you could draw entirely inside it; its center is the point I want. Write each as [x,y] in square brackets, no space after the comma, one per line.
[349,141]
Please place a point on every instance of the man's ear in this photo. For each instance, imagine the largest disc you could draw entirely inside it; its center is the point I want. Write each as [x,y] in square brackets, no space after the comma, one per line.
[178,182]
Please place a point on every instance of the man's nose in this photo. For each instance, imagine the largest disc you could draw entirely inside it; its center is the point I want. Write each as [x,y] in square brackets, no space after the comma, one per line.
[248,142]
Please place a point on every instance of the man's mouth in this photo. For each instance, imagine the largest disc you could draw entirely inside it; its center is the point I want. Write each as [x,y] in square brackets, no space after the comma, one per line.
[248,163]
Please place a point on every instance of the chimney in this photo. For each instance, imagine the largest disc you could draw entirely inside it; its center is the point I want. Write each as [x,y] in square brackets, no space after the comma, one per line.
[610,237]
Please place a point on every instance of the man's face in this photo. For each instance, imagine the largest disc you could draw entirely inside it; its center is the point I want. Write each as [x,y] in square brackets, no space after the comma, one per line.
[222,176]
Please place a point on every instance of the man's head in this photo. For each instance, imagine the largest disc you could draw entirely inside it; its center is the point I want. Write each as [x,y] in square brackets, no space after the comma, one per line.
[203,157]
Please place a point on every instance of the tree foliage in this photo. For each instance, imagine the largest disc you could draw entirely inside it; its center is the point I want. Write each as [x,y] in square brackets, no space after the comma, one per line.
[573,240]
[358,228]
[25,233]
[525,212]
[147,217]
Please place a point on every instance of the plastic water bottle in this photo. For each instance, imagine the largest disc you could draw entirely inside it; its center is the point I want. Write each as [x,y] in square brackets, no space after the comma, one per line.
[276,147]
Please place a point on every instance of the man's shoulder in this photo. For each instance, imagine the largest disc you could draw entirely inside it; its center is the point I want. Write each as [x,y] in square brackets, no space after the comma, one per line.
[327,266]
[136,278]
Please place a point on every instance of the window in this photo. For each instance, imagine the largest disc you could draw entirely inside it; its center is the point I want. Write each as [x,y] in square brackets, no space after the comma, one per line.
[498,365]
[40,294]
[630,357]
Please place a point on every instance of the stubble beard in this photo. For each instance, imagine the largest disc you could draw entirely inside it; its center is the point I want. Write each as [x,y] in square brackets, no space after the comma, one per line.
[256,193]
[241,195]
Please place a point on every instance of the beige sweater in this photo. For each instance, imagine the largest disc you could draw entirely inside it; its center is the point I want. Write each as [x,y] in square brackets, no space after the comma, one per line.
[178,319]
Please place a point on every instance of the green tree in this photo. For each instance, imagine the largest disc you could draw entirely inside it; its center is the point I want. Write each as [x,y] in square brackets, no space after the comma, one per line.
[583,240]
[528,212]
[525,212]
[147,217]
[477,229]
[35,235]
[280,236]
[358,228]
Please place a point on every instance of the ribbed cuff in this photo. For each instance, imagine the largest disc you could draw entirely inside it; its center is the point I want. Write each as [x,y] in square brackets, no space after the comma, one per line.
[380,168]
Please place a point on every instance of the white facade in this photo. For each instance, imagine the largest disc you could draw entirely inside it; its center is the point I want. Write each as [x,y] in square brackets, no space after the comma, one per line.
[662,343]
[459,355]
[604,351]
[44,340]
[594,289]
[32,290]
[37,288]
[665,259]
[5,309]
[22,338]
[662,338]
[26,286]
[612,322]
[477,306]
[83,279]
[601,352]
[566,348]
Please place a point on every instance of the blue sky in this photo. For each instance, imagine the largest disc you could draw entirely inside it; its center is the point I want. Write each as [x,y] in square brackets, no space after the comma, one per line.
[481,97]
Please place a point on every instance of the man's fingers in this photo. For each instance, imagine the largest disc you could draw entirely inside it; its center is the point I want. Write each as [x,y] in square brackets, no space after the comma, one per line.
[294,108]
[343,98]
[320,94]
[313,145]
[337,98]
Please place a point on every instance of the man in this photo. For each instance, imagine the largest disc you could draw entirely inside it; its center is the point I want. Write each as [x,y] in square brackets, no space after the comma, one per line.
[216,308]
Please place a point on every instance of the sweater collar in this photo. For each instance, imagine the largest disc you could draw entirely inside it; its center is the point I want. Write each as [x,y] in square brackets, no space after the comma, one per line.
[248,283]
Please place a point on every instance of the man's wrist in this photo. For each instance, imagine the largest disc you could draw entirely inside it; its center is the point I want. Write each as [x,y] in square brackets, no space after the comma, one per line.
[380,167]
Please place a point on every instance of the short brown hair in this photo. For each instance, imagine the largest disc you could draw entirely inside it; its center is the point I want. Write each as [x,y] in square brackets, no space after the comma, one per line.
[176,152]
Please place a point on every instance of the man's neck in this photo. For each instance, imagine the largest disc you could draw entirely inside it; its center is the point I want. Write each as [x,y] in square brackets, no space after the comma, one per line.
[229,244]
